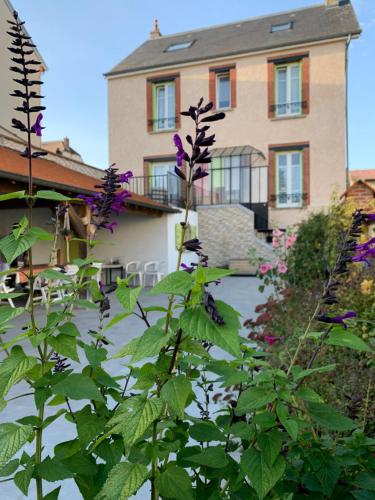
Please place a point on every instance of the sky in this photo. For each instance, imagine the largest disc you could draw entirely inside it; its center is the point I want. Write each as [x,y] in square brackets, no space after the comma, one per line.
[82,39]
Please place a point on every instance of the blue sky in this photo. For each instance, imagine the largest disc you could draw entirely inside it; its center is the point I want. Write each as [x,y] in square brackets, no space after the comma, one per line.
[82,39]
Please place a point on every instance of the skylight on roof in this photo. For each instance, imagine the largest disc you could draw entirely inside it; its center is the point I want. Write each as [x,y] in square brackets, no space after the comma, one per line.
[179,46]
[281,27]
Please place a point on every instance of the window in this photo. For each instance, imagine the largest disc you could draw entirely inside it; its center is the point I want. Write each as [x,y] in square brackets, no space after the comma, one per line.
[164,185]
[223,90]
[288,86]
[163,100]
[289,168]
[281,27]
[222,87]
[179,46]
[163,103]
[288,89]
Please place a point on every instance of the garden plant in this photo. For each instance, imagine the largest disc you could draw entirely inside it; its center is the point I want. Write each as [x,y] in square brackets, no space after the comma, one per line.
[269,434]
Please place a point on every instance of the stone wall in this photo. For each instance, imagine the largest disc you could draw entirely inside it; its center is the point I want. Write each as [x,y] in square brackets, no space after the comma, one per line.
[227,233]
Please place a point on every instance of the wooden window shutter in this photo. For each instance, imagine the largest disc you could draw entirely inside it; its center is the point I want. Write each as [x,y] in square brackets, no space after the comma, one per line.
[233,87]
[306,176]
[149,105]
[305,70]
[212,87]
[271,89]
[177,90]
[271,178]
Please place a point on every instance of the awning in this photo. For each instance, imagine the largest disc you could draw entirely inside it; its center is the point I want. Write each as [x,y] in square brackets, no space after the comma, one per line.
[236,151]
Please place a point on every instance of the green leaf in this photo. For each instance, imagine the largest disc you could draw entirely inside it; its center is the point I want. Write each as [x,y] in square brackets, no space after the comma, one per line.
[150,343]
[124,480]
[89,425]
[54,274]
[7,313]
[41,234]
[345,339]
[174,482]
[254,398]
[12,196]
[135,416]
[53,495]
[78,386]
[365,480]
[299,374]
[128,296]
[263,477]
[270,445]
[52,195]
[176,393]
[209,274]
[95,355]
[12,438]
[65,345]
[177,283]
[265,420]
[197,323]
[14,368]
[52,469]
[327,416]
[308,394]
[9,468]
[291,426]
[214,457]
[206,431]
[70,329]
[128,349]
[23,478]
[11,247]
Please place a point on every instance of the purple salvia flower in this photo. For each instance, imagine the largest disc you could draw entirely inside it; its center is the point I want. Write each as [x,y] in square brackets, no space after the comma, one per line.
[37,127]
[338,320]
[111,226]
[180,155]
[199,174]
[125,177]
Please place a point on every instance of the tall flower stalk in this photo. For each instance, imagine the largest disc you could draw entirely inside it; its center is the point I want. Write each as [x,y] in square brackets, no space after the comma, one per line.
[26,66]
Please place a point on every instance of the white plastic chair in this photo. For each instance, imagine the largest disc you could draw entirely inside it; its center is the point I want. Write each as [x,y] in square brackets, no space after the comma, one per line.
[134,267]
[152,270]
[4,288]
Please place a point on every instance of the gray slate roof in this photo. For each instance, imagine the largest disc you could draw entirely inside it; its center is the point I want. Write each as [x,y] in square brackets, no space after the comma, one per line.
[309,24]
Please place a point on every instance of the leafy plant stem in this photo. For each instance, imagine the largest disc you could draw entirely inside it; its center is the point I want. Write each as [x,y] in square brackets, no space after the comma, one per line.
[154,464]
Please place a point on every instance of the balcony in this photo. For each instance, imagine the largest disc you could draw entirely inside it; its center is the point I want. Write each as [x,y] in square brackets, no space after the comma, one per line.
[163,124]
[245,185]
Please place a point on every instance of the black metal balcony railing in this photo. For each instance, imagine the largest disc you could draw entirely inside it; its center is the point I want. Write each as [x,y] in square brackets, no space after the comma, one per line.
[225,186]
[289,199]
[288,108]
[163,123]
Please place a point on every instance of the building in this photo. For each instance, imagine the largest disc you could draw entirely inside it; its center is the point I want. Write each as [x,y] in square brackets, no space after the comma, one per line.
[62,147]
[364,175]
[281,79]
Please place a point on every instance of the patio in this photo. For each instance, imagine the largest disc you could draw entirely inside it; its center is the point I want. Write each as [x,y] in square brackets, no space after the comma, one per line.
[240,292]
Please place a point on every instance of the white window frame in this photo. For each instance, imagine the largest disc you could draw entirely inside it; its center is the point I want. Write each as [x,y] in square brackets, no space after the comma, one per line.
[220,75]
[288,111]
[169,120]
[289,202]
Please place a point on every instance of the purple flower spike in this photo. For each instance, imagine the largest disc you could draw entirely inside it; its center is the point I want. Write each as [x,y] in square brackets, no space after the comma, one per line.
[125,177]
[180,155]
[338,320]
[37,127]
[199,174]
[111,226]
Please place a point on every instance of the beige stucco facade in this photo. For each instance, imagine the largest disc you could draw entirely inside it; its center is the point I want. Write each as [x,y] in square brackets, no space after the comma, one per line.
[324,128]
[7,103]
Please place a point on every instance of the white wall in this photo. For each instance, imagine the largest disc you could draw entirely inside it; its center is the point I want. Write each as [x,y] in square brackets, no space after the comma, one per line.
[143,238]
[41,216]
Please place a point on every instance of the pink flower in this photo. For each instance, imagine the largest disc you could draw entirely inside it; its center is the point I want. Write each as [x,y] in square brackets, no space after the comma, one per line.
[275,242]
[270,339]
[276,233]
[282,267]
[264,268]
[289,242]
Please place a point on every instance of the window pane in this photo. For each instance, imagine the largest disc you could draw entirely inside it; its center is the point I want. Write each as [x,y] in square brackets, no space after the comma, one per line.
[281,91]
[296,174]
[223,91]
[171,105]
[295,88]
[160,106]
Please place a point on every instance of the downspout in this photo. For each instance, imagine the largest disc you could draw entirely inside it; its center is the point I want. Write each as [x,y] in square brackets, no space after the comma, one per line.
[347,43]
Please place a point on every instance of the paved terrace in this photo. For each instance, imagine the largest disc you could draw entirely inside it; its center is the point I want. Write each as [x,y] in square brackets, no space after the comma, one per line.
[240,292]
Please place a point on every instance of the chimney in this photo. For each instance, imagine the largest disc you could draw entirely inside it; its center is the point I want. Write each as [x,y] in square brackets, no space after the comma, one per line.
[333,3]
[66,143]
[155,33]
